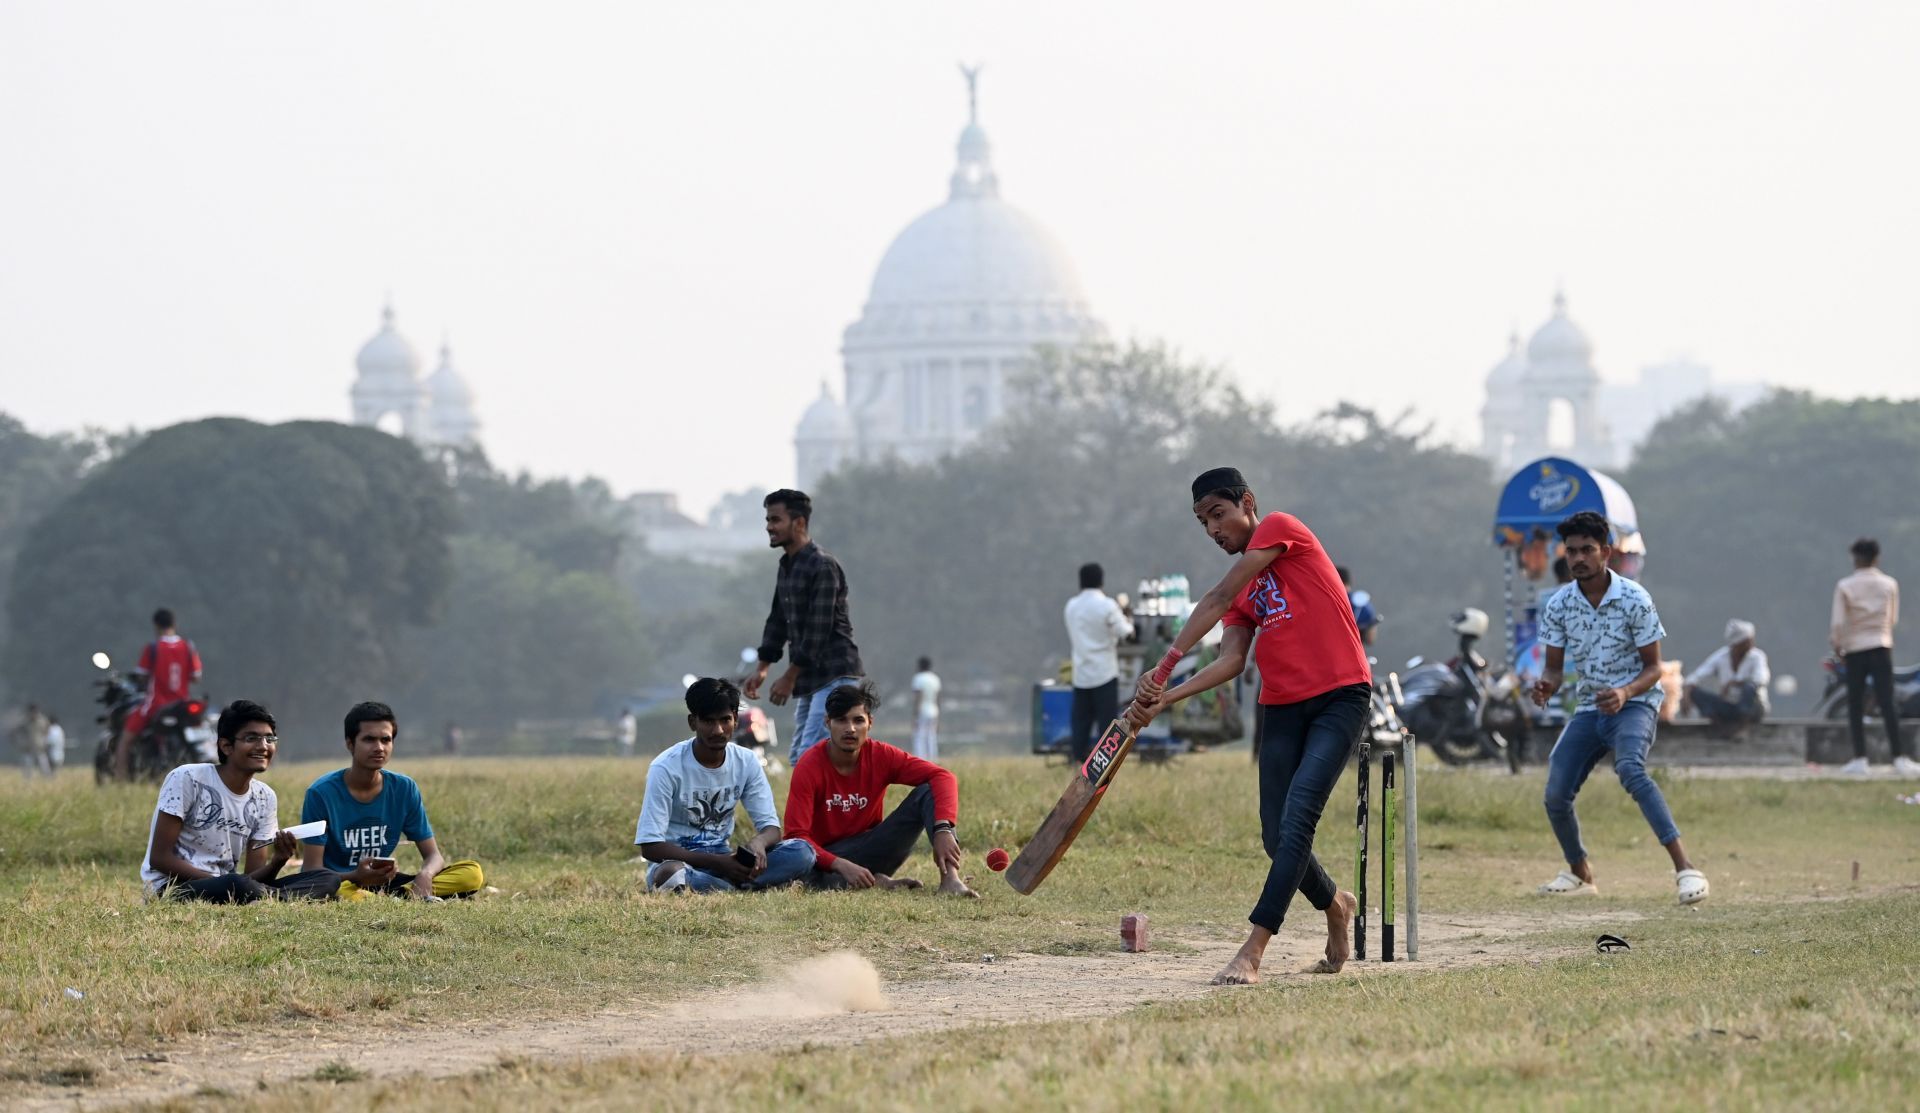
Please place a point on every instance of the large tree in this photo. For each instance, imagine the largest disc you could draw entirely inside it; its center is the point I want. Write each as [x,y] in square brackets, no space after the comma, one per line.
[1749,515]
[295,555]
[971,559]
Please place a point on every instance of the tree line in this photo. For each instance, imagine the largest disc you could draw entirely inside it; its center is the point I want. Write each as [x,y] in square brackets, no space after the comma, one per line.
[316,564]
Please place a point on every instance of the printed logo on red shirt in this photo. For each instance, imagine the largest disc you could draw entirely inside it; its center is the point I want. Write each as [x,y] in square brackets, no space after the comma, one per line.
[846,802]
[1269,599]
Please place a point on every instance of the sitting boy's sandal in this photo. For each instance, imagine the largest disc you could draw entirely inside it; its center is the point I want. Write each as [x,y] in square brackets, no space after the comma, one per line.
[1566,884]
[1607,944]
[1692,885]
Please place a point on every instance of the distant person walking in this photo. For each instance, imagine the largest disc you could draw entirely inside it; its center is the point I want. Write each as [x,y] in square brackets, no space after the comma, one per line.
[30,739]
[1095,626]
[56,744]
[809,617]
[1866,608]
[626,731]
[926,712]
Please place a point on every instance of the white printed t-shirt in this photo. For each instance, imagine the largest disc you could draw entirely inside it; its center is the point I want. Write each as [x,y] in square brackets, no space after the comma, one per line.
[217,828]
[692,806]
[926,685]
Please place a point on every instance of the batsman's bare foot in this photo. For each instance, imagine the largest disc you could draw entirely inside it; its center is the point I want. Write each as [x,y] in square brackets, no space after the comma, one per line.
[881,880]
[1245,967]
[1339,933]
[956,886]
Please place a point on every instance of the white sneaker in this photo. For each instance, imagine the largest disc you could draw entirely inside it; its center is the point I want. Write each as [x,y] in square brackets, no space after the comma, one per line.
[1906,766]
[665,877]
[1855,768]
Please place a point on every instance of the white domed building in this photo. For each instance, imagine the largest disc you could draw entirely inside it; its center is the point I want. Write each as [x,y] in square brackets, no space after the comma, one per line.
[1547,403]
[962,298]
[389,393]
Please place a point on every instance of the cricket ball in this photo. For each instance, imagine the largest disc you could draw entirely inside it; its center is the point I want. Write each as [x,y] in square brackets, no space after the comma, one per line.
[996,859]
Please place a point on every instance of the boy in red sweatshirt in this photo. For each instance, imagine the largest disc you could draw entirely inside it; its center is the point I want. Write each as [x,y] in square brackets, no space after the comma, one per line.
[839,790]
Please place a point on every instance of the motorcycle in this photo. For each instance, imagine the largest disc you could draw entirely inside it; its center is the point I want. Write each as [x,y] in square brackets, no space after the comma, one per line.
[176,734]
[1466,709]
[1833,701]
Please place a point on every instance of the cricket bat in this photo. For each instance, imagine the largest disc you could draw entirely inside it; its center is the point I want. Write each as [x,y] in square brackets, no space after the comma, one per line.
[1049,844]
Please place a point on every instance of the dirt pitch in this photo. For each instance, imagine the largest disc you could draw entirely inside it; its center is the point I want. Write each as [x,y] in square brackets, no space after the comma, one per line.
[838,999]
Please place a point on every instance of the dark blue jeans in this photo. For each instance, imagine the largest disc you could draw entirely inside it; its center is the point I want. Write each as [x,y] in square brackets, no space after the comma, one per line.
[1303,748]
[1588,736]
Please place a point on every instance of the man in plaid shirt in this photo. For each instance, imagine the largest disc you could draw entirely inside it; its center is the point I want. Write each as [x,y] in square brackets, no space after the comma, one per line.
[809,615]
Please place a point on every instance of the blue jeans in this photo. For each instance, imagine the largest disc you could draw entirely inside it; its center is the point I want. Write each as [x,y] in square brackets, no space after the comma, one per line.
[1587,738]
[787,860]
[810,717]
[1303,748]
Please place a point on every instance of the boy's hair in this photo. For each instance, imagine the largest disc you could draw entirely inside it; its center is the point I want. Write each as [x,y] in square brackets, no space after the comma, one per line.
[369,712]
[1587,523]
[711,697]
[1092,575]
[797,504]
[1866,550]
[163,619]
[846,697]
[234,716]
[1346,576]
[926,664]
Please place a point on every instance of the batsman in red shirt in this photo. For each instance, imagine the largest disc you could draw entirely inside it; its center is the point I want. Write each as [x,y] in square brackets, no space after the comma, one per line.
[1283,597]
[839,791]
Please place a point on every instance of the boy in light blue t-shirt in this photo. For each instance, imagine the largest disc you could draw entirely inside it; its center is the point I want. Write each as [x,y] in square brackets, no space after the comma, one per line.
[370,810]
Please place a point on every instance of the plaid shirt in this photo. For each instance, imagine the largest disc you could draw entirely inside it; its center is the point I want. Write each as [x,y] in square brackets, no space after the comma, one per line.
[810,614]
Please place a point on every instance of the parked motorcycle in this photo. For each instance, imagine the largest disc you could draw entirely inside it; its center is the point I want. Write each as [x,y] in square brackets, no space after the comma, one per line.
[176,734]
[1833,701]
[1466,708]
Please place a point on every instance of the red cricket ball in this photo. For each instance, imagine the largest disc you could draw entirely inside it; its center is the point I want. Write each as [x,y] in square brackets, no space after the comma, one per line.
[996,859]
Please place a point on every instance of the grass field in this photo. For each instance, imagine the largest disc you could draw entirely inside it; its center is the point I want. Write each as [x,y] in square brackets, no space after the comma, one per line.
[1792,988]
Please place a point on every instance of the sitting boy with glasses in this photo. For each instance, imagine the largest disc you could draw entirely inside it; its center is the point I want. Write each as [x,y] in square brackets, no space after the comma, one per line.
[216,833]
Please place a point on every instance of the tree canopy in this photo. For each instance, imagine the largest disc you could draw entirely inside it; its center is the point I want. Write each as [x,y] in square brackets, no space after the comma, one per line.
[1750,515]
[970,560]
[294,555]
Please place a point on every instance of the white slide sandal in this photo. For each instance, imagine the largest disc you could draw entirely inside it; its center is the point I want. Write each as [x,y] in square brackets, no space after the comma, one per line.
[1692,885]
[1566,884]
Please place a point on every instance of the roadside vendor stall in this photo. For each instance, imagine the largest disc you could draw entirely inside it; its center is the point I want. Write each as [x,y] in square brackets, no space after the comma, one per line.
[1539,497]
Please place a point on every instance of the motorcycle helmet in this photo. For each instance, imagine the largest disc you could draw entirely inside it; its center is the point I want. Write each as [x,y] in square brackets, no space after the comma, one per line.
[1471,622]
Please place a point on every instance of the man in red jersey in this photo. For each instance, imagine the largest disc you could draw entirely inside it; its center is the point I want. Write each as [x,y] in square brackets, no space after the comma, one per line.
[1314,695]
[839,791]
[172,666]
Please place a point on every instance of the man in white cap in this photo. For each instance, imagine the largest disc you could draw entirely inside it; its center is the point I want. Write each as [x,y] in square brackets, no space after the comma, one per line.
[1730,687]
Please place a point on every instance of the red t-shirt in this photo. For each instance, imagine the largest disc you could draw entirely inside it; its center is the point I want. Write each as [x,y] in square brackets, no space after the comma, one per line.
[171,665]
[1306,642]
[824,807]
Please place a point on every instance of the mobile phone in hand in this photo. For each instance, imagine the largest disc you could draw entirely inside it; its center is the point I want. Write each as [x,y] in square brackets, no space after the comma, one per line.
[745,857]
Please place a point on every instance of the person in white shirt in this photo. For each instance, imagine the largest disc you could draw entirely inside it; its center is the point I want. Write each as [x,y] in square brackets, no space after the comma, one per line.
[687,815]
[1730,687]
[926,712]
[56,743]
[626,731]
[216,833]
[1095,626]
[1866,608]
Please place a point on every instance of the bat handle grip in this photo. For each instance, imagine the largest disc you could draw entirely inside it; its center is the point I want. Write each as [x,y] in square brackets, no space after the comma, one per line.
[1164,671]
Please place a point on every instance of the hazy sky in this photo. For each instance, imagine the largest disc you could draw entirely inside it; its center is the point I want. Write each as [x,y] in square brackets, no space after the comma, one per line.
[644,226]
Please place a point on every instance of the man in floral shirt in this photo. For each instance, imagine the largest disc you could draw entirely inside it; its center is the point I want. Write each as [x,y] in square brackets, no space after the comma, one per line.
[1608,626]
